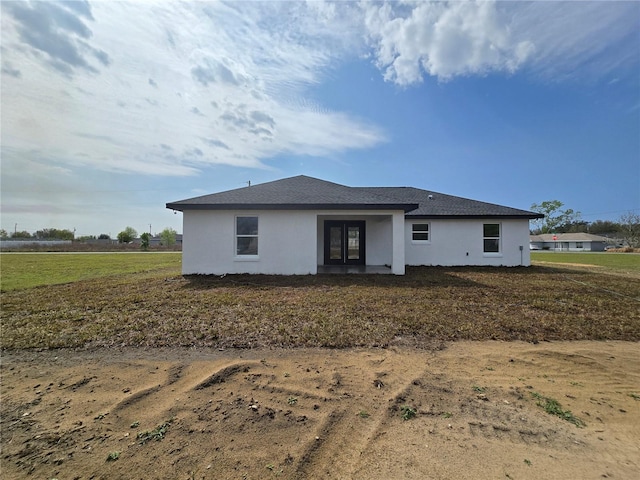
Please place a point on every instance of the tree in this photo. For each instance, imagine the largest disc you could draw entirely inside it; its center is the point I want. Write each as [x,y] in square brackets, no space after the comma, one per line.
[3,233]
[104,236]
[127,235]
[168,237]
[579,226]
[54,234]
[144,240]
[554,217]
[604,227]
[630,229]
[23,234]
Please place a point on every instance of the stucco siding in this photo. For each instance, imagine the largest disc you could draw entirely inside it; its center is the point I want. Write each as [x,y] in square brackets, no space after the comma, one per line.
[379,241]
[291,242]
[286,243]
[460,242]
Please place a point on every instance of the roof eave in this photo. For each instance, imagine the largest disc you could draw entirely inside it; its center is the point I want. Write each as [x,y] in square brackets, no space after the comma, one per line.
[475,216]
[292,206]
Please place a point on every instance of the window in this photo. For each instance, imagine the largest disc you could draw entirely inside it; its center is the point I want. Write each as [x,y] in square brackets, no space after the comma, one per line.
[420,232]
[579,245]
[491,237]
[246,236]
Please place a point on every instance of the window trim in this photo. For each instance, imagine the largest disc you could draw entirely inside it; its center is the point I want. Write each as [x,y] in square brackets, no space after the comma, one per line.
[236,236]
[428,232]
[499,238]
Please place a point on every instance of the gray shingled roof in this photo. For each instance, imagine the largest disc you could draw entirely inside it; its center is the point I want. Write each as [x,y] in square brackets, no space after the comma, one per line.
[299,192]
[435,204]
[568,237]
[307,193]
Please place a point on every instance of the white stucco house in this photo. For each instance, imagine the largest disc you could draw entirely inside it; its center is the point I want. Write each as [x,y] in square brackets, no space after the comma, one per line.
[303,225]
[569,242]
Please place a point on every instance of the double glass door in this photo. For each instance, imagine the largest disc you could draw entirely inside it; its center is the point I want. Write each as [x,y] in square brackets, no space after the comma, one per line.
[344,242]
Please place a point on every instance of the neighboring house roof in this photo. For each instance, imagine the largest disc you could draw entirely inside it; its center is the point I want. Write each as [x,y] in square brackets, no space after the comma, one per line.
[567,237]
[304,192]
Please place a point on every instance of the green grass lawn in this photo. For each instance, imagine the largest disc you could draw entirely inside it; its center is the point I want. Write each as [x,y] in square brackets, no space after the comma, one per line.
[621,262]
[20,271]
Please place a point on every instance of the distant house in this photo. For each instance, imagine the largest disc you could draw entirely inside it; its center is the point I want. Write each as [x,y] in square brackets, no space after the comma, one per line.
[156,241]
[303,225]
[568,242]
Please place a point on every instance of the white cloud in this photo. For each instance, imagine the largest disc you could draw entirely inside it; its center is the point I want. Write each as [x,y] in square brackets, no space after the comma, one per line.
[579,39]
[442,40]
[185,85]
[449,39]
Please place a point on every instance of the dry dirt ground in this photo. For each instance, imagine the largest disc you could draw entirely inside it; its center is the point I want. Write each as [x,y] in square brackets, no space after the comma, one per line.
[317,413]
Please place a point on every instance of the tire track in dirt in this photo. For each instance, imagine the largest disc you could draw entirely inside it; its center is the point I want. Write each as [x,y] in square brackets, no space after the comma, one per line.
[223,374]
[181,379]
[347,433]
[174,373]
[317,454]
[255,414]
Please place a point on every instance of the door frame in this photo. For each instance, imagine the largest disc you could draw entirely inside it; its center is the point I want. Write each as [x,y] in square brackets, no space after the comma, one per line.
[345,224]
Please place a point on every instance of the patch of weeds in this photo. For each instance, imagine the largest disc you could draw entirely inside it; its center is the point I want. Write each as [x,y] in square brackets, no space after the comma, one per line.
[135,424]
[113,456]
[292,400]
[447,414]
[478,389]
[553,407]
[635,396]
[270,466]
[528,462]
[100,416]
[407,412]
[363,414]
[287,374]
[576,384]
[157,433]
[491,369]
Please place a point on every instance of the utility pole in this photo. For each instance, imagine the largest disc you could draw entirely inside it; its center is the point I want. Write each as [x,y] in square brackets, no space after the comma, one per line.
[149,229]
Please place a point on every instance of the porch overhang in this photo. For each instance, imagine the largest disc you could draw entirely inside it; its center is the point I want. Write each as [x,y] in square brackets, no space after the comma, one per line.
[384,240]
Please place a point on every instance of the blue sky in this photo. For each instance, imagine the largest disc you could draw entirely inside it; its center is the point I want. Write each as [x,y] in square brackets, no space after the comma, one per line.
[112,109]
